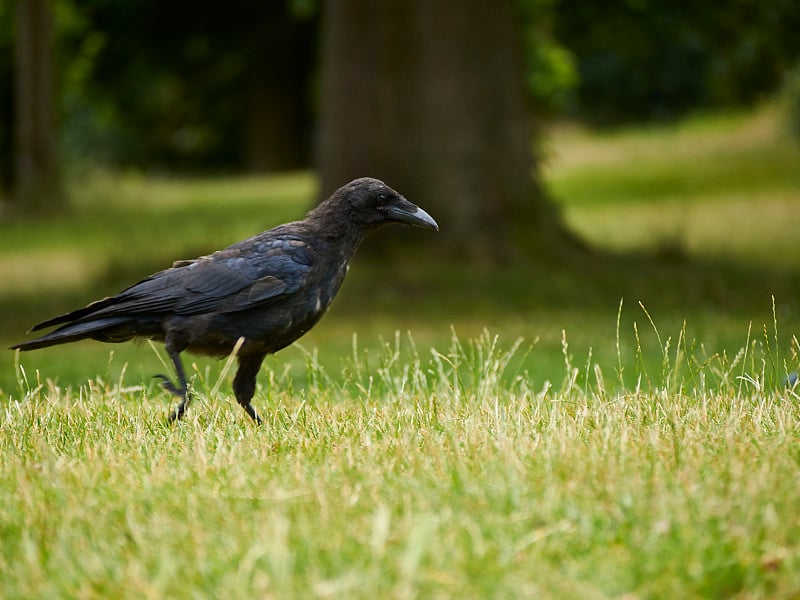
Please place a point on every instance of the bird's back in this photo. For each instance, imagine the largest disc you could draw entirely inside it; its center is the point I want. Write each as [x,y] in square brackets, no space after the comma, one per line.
[270,289]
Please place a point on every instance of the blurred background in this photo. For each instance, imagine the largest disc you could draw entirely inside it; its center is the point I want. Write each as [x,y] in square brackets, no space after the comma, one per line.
[580,158]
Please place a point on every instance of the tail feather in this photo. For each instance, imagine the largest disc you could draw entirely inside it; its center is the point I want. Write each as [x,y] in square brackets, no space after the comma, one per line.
[75,314]
[73,332]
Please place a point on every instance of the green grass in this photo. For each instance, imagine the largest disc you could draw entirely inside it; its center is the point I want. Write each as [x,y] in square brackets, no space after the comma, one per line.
[447,474]
[723,187]
[638,449]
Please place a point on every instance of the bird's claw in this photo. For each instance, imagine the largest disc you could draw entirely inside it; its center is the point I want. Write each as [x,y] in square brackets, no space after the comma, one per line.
[177,414]
[166,383]
[253,414]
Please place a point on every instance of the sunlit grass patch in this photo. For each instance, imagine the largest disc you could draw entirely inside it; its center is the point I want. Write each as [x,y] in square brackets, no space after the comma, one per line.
[718,228]
[129,223]
[724,187]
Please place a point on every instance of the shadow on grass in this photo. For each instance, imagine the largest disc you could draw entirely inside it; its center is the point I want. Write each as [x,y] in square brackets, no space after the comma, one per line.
[667,280]
[425,289]
[546,302]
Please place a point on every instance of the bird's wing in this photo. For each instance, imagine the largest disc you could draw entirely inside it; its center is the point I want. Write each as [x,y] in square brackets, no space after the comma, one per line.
[230,280]
[237,283]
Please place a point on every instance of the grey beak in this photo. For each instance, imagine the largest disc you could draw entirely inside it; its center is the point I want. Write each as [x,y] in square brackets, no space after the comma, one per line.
[409,213]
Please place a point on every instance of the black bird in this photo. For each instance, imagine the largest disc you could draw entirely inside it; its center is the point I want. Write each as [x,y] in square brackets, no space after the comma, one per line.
[269,289]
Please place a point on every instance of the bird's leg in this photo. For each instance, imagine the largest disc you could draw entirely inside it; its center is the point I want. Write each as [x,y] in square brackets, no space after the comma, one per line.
[244,383]
[182,390]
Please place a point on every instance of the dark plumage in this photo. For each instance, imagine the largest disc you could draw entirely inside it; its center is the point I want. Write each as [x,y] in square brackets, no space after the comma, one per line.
[269,289]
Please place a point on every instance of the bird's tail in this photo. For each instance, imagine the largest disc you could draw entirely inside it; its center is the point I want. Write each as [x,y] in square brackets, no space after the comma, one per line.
[106,329]
[75,315]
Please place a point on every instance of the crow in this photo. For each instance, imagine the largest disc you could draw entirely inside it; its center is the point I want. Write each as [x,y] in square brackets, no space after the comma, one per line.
[269,289]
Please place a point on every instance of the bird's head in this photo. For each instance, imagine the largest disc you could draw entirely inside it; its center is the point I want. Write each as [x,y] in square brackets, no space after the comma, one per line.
[371,203]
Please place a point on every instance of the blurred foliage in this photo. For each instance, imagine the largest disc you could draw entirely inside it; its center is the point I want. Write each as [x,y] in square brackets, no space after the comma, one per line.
[551,74]
[178,86]
[168,84]
[654,59]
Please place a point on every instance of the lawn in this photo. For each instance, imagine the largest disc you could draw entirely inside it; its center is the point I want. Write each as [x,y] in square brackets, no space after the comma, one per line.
[618,427]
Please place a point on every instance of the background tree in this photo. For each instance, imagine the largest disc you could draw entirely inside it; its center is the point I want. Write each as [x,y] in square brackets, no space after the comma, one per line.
[36,177]
[430,97]
[185,86]
[431,90]
[660,59]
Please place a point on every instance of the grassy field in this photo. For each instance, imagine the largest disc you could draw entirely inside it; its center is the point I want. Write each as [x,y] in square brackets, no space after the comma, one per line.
[615,428]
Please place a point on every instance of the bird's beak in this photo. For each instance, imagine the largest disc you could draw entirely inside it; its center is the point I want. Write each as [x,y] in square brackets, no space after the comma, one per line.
[411,214]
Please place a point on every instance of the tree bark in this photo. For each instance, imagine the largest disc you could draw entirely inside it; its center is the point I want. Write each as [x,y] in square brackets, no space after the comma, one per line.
[429,97]
[275,139]
[37,182]
[277,134]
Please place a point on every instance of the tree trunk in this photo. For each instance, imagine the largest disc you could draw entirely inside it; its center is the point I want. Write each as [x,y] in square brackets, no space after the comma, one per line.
[275,139]
[278,112]
[37,181]
[429,97]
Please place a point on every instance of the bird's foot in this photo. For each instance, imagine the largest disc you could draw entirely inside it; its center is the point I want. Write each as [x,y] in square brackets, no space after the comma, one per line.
[183,392]
[252,413]
[178,413]
[166,383]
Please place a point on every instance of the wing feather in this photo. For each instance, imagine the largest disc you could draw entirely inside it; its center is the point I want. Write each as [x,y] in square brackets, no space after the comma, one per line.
[226,281]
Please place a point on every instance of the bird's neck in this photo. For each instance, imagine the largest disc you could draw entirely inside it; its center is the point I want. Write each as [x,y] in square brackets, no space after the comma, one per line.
[336,229]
